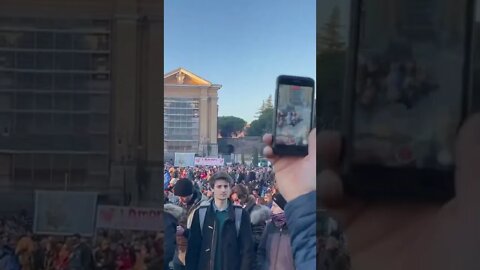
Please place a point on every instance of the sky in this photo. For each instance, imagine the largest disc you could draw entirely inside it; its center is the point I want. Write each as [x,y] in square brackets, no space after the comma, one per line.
[242,45]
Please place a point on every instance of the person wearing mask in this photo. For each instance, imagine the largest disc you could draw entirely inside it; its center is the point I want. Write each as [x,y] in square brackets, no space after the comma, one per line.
[259,214]
[298,187]
[221,234]
[190,199]
[275,251]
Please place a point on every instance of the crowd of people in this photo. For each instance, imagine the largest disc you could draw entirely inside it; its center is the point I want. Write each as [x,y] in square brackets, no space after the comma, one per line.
[259,180]
[20,249]
[252,189]
[238,217]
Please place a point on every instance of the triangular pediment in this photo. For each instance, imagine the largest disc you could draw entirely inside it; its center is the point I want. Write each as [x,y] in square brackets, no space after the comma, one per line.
[182,76]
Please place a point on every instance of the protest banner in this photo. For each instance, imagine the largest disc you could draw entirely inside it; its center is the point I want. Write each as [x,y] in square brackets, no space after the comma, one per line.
[209,161]
[129,218]
[64,213]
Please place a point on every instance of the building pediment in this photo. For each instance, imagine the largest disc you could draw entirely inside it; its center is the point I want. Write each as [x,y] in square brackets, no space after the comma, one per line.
[182,76]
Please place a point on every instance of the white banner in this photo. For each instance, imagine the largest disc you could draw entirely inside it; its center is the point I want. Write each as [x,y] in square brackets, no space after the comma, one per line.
[184,159]
[129,218]
[64,212]
[209,161]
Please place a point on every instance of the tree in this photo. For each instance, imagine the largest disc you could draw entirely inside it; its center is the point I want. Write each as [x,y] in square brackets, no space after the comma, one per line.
[255,157]
[268,104]
[260,110]
[243,159]
[230,124]
[330,38]
[262,125]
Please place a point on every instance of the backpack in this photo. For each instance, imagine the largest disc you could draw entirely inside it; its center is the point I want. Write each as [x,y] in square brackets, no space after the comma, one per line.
[202,211]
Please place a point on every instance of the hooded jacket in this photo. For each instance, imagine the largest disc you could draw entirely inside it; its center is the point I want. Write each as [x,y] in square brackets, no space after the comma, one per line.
[274,250]
[172,213]
[259,214]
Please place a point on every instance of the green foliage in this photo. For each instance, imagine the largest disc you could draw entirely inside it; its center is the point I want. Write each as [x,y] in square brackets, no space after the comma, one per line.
[264,122]
[330,38]
[230,124]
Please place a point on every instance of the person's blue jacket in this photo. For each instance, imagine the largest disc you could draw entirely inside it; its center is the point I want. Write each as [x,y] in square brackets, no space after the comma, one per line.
[302,224]
[166,180]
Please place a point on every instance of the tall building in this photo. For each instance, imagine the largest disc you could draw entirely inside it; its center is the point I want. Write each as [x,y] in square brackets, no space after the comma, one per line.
[80,96]
[190,114]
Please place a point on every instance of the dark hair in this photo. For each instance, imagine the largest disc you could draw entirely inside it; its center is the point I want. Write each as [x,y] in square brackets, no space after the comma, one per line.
[241,191]
[220,176]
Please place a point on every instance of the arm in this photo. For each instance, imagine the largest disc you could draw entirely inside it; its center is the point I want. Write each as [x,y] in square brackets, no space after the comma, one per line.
[194,244]
[262,249]
[301,222]
[247,253]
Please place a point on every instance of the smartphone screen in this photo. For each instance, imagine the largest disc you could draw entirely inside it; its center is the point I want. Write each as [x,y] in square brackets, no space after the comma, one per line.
[409,87]
[293,115]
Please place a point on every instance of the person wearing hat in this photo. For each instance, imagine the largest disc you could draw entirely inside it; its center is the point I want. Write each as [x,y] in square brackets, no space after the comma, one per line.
[221,232]
[190,199]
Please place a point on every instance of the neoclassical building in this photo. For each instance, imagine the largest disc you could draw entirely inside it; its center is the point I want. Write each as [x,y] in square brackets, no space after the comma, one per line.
[80,96]
[190,114]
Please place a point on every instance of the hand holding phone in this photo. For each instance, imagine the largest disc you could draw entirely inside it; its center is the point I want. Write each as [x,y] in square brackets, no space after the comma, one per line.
[293,116]
[294,176]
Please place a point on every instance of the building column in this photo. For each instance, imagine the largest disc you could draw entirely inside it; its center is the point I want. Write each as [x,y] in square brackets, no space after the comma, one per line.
[204,115]
[151,167]
[124,87]
[213,126]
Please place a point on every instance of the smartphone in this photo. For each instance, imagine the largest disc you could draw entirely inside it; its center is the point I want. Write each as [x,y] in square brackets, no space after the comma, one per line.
[293,115]
[407,91]
[279,200]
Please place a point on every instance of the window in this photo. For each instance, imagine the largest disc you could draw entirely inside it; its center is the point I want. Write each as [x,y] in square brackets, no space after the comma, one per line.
[24,123]
[25,40]
[44,60]
[26,60]
[43,123]
[63,61]
[44,101]
[41,167]
[7,59]
[63,82]
[44,40]
[7,79]
[81,102]
[81,61]
[62,123]
[63,41]
[62,102]
[6,100]
[99,123]
[23,167]
[24,101]
[43,81]
[99,103]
